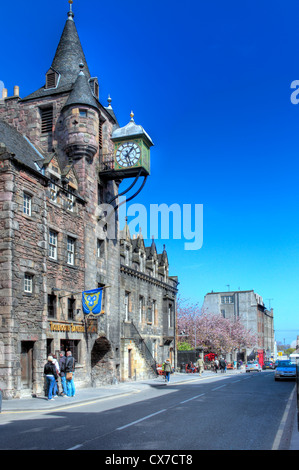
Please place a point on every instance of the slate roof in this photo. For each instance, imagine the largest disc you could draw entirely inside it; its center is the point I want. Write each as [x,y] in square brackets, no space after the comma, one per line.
[81,93]
[23,150]
[68,56]
[131,130]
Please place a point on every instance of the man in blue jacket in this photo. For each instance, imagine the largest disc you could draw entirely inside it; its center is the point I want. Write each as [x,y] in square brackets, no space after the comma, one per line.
[69,373]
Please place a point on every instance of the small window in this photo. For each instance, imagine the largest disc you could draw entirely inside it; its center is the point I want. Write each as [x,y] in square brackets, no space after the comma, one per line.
[100,248]
[27,204]
[70,250]
[71,308]
[100,194]
[170,316]
[51,79]
[46,120]
[127,302]
[51,306]
[70,201]
[53,191]
[227,299]
[82,113]
[52,244]
[28,283]
[154,319]
[141,304]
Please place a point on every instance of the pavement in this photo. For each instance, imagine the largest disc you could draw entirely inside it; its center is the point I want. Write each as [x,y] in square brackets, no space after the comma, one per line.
[89,395]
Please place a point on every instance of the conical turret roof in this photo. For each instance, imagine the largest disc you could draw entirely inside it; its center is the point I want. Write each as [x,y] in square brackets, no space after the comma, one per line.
[69,54]
[81,93]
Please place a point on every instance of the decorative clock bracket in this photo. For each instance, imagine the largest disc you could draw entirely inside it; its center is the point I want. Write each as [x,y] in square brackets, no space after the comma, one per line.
[130,159]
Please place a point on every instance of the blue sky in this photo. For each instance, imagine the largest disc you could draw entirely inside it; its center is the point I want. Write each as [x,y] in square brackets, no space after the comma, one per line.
[210,82]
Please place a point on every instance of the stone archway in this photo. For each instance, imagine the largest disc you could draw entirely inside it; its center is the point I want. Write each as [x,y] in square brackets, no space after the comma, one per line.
[102,364]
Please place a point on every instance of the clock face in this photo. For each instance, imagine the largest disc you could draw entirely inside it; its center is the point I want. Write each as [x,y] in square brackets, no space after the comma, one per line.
[128,154]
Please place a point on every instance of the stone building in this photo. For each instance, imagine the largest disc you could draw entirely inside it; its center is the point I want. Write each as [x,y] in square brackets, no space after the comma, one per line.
[53,245]
[250,308]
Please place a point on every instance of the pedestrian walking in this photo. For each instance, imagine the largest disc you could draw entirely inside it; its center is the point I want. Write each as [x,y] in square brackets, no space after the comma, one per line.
[167,370]
[216,365]
[222,365]
[69,373]
[51,376]
[62,362]
[199,365]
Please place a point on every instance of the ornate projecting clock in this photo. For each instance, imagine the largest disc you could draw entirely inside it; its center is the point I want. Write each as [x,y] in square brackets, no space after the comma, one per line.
[128,154]
[131,156]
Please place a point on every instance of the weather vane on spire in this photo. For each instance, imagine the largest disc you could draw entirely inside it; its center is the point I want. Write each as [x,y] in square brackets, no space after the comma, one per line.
[70,13]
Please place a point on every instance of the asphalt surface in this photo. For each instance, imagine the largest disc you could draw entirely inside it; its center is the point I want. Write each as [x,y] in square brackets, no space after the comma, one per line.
[89,395]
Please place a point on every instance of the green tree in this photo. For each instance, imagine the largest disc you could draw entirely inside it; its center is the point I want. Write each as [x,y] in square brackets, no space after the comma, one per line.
[184,346]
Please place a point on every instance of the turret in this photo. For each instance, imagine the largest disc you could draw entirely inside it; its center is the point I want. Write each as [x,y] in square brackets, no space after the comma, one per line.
[80,121]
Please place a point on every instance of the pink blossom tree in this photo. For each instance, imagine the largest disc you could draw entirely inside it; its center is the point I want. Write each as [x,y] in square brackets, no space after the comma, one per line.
[211,331]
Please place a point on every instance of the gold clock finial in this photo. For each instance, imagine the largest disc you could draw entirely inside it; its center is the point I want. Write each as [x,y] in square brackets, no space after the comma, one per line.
[71,3]
[132,116]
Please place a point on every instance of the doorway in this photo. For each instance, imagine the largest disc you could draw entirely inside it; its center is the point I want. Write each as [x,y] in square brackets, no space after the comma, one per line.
[27,364]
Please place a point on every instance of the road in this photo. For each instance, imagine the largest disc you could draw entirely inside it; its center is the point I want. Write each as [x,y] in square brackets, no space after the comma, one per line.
[240,412]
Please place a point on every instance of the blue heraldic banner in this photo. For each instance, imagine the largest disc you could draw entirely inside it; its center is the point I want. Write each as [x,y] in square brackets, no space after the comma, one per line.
[92,301]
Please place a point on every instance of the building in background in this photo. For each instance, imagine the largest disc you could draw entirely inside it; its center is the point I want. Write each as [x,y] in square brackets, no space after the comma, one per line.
[249,307]
[62,158]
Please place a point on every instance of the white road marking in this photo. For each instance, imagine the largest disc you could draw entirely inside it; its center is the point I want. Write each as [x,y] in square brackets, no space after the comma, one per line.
[279,433]
[75,447]
[193,398]
[221,386]
[139,420]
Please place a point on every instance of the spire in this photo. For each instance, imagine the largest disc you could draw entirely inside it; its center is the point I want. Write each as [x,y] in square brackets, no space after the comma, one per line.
[69,53]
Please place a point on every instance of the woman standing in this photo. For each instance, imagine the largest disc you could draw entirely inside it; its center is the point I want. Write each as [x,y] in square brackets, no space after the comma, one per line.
[51,376]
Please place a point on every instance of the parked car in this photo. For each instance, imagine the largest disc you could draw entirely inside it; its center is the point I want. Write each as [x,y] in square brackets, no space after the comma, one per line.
[285,370]
[253,366]
[269,365]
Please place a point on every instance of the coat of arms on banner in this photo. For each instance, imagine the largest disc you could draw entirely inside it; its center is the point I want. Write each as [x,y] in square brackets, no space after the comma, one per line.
[92,301]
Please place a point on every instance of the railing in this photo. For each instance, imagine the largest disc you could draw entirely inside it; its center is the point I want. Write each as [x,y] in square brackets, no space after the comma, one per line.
[107,165]
[131,332]
[106,161]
